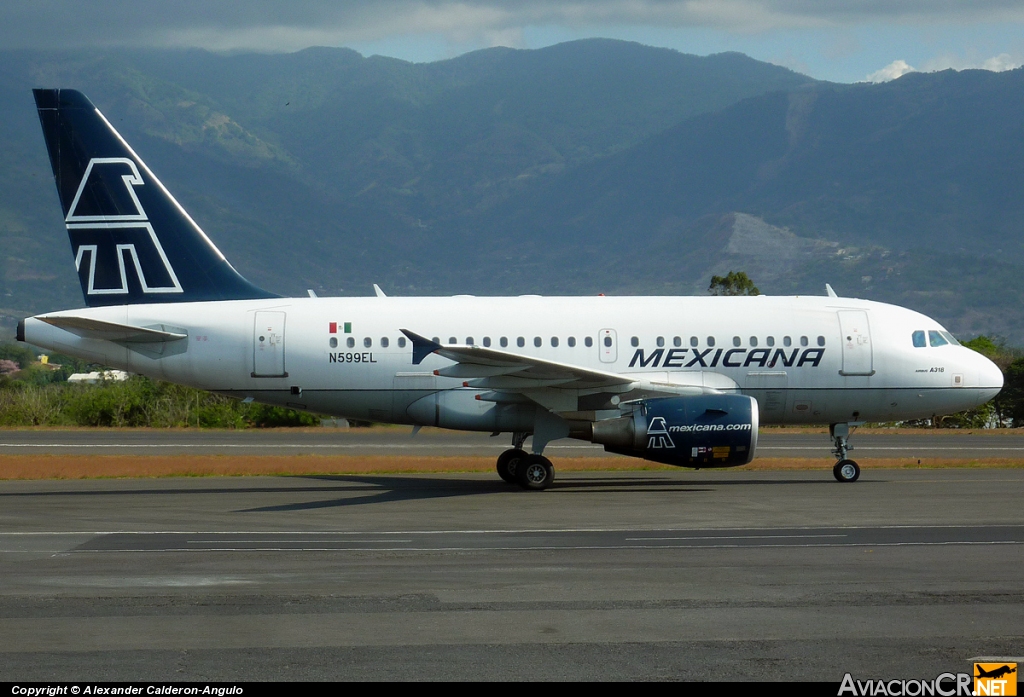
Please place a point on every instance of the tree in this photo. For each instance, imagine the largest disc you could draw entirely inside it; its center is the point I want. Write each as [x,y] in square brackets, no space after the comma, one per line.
[1007,407]
[733,283]
[1010,401]
[22,355]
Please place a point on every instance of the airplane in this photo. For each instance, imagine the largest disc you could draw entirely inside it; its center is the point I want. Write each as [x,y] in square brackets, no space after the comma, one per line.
[684,381]
[995,672]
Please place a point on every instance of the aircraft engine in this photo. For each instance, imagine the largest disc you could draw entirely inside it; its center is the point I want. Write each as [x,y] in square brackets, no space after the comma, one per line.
[717,430]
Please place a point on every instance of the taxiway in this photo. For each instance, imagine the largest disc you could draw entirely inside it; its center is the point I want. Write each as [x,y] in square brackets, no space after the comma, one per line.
[648,575]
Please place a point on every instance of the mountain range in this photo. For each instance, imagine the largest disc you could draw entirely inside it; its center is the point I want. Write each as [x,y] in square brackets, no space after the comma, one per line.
[592,166]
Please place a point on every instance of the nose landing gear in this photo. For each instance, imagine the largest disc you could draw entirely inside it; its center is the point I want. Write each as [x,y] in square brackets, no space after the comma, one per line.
[845,470]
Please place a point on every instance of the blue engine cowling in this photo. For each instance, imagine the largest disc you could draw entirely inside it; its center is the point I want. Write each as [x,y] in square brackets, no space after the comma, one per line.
[718,430]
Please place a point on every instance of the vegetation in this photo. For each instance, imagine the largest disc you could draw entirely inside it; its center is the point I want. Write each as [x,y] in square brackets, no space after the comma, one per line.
[1007,409]
[733,283]
[39,395]
[137,401]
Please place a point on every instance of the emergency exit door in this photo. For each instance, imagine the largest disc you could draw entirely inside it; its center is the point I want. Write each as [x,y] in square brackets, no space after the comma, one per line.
[857,360]
[268,345]
[607,346]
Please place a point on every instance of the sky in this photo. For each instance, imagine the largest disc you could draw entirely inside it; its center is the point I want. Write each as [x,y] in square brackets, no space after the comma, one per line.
[838,40]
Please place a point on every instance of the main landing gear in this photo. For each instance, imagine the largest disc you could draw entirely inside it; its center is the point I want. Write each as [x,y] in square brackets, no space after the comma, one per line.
[516,466]
[845,470]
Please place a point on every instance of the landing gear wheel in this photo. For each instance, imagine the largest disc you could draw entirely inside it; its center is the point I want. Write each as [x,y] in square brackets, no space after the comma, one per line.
[507,463]
[846,471]
[535,472]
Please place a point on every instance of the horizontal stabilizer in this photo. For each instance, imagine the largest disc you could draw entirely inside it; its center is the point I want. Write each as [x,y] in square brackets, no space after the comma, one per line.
[111,331]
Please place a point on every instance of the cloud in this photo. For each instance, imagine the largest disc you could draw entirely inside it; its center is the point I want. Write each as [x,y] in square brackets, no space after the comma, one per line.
[997,64]
[897,68]
[280,26]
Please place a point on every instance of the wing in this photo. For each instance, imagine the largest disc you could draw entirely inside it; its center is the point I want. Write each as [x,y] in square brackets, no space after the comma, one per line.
[559,387]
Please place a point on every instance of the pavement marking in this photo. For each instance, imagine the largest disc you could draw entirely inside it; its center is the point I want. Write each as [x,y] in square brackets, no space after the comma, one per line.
[729,537]
[545,548]
[561,540]
[508,531]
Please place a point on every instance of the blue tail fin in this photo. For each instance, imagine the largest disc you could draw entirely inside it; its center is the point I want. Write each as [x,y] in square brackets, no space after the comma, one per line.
[133,243]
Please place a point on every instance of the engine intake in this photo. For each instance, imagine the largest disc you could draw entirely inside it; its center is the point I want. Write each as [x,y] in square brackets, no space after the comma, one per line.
[698,431]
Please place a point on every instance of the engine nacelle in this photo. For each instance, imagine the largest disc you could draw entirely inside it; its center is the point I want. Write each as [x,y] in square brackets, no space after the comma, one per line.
[717,430]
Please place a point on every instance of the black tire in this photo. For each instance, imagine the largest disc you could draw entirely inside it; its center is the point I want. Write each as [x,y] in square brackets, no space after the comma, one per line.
[846,471]
[535,473]
[507,462]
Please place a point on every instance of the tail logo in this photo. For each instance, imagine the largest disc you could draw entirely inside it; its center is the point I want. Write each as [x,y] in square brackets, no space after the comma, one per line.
[107,223]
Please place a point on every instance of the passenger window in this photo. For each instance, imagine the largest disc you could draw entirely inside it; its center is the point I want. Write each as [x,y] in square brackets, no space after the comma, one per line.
[452,340]
[694,341]
[803,341]
[821,341]
[503,341]
[753,341]
[436,340]
[384,342]
[520,342]
[608,341]
[334,342]
[770,341]
[660,341]
[368,342]
[469,341]
[571,341]
[350,342]
[588,341]
[736,341]
[711,341]
[919,339]
[537,341]
[554,341]
[787,341]
[401,342]
[487,341]
[936,339]
[634,342]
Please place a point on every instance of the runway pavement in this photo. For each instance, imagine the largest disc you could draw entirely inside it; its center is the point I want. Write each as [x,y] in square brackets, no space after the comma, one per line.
[642,575]
[384,441]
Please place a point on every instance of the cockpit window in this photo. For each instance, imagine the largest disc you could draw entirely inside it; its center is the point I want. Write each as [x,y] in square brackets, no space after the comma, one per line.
[936,339]
[950,338]
[919,339]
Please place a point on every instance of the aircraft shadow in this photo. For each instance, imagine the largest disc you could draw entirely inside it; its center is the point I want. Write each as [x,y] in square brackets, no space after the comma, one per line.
[363,490]
[390,488]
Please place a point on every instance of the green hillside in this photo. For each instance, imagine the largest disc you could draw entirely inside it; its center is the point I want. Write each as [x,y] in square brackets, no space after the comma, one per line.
[591,166]
[324,169]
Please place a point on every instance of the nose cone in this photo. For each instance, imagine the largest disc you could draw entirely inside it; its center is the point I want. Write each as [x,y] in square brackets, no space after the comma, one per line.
[990,378]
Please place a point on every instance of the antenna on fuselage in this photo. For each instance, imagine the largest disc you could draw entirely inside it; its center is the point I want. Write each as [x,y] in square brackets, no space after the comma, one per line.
[829,292]
[378,291]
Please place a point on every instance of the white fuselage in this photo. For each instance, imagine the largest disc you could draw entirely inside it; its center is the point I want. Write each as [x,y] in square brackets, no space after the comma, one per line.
[804,359]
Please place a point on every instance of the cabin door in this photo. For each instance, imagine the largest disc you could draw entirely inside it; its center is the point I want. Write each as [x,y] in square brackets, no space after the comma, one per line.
[857,360]
[268,345]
